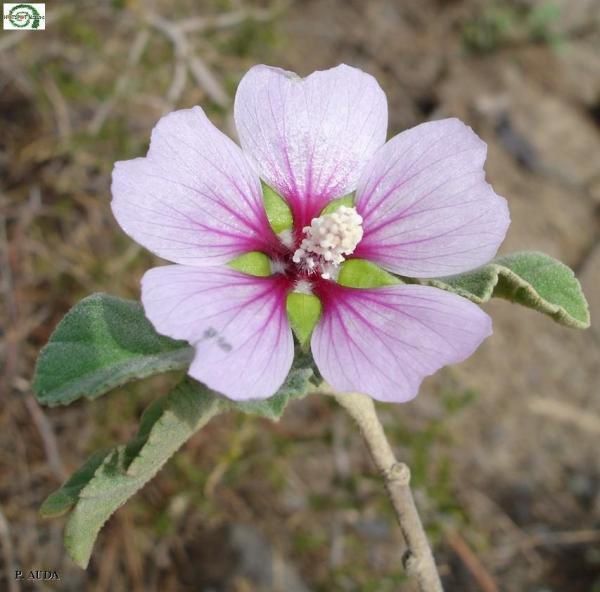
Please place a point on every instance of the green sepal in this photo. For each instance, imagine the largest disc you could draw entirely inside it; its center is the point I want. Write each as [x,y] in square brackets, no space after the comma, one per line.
[278,212]
[253,263]
[332,206]
[359,273]
[304,311]
[529,278]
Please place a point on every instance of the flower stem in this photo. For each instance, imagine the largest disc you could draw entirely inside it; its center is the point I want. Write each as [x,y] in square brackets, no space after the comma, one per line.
[418,559]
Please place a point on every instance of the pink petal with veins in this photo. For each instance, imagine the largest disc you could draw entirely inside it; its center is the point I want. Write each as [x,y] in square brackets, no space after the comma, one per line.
[237,324]
[427,208]
[309,138]
[194,199]
[382,342]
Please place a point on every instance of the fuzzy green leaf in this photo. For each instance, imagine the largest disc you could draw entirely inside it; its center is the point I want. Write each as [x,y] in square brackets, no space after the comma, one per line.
[165,426]
[359,273]
[304,311]
[63,499]
[253,263]
[103,342]
[278,211]
[532,279]
[109,478]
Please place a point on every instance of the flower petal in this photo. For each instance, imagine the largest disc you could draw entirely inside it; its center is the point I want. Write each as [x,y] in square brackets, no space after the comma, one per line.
[236,323]
[309,138]
[382,342]
[427,208]
[194,199]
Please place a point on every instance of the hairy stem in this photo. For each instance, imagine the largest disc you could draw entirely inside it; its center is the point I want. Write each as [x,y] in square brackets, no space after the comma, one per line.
[418,559]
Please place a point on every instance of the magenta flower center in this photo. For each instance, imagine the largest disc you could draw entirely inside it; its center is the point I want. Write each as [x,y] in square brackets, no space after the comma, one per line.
[320,250]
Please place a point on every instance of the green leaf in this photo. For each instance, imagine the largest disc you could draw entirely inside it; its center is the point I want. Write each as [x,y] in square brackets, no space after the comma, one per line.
[304,311]
[359,273]
[109,478]
[532,279]
[332,206]
[96,491]
[103,342]
[62,500]
[278,211]
[253,263]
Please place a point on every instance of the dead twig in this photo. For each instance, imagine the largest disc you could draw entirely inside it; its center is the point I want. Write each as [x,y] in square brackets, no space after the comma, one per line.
[477,570]
[60,107]
[107,563]
[183,53]
[208,81]
[506,523]
[48,438]
[225,21]
[132,557]
[558,539]
[138,47]
[177,83]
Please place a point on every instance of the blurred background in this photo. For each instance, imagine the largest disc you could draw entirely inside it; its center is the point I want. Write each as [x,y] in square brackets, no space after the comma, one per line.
[504,448]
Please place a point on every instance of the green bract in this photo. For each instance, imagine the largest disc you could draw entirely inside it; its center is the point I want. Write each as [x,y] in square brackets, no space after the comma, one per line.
[278,212]
[253,263]
[304,311]
[332,206]
[358,273]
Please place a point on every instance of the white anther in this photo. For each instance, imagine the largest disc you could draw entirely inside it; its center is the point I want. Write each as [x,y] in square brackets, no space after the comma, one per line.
[328,239]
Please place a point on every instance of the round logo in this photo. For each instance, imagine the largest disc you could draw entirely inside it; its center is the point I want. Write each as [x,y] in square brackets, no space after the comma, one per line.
[21,16]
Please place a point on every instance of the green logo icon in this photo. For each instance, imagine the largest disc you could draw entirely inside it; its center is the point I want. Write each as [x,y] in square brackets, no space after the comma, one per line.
[21,16]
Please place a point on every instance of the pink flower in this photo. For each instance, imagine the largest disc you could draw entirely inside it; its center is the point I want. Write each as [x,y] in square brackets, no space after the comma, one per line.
[422,209]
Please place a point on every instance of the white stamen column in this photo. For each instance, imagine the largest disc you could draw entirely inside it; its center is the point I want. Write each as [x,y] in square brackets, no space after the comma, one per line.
[327,240]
